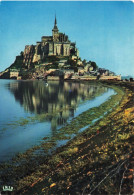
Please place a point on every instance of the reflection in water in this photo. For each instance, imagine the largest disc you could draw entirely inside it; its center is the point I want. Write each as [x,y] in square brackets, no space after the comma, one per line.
[31,111]
[58,99]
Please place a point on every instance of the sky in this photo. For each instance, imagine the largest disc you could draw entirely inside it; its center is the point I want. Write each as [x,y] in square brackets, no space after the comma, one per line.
[103,30]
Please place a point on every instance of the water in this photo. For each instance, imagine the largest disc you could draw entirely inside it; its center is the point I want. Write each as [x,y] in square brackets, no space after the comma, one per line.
[49,106]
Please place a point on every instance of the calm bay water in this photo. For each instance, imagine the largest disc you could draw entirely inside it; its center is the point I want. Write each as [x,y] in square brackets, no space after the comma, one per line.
[32,110]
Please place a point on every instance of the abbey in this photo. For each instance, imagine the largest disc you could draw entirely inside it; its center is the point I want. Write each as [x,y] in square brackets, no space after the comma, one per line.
[54,55]
[56,45]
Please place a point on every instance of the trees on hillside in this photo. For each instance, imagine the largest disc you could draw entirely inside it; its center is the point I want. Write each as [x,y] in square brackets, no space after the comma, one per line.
[94,65]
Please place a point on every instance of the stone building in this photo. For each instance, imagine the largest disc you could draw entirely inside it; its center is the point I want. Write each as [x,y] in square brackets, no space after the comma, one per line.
[14,73]
[28,55]
[56,45]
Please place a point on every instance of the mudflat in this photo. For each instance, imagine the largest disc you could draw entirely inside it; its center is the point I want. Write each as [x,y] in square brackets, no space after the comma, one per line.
[97,161]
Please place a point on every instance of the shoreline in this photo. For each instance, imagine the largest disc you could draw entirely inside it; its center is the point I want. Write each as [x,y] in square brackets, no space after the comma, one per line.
[102,93]
[72,173]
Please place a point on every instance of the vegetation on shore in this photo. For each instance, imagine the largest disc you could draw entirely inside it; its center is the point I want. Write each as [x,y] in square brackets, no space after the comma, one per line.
[94,162]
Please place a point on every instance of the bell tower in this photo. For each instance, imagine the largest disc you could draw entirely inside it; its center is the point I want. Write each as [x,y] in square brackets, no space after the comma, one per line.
[55,30]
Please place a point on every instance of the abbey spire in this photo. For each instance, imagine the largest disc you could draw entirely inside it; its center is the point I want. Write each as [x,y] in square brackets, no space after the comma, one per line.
[55,21]
[55,29]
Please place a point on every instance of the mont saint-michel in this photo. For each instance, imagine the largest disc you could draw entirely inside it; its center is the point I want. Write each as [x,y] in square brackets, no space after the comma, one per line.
[56,45]
[55,56]
[66,125]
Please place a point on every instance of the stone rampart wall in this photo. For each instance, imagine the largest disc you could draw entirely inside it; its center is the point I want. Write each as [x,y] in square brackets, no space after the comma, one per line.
[55,78]
[95,78]
[84,77]
[110,78]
